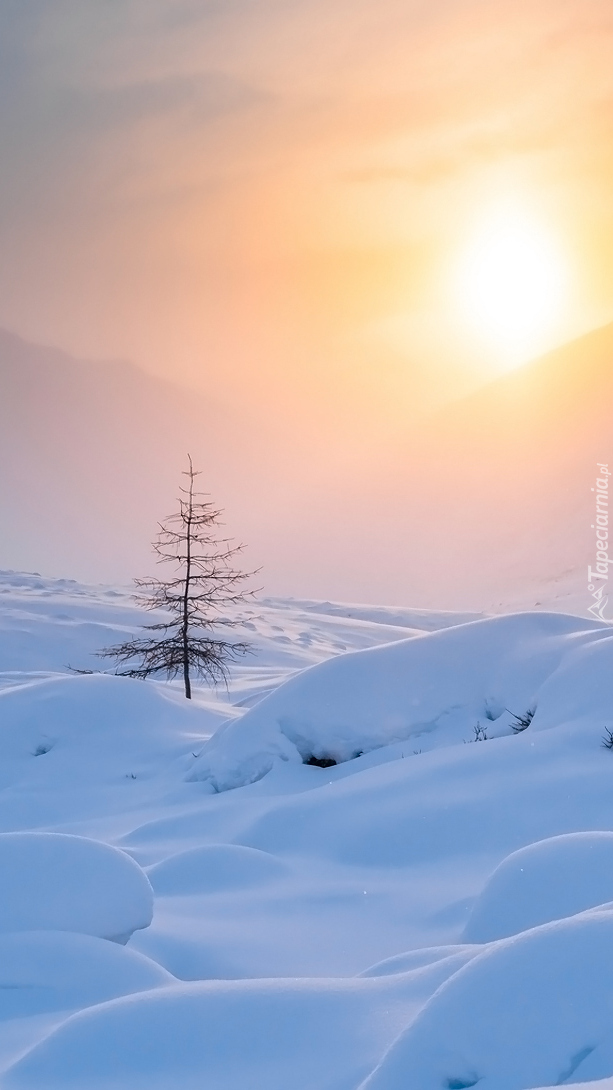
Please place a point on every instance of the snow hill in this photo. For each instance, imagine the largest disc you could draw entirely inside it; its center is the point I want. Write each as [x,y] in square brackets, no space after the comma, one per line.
[187,900]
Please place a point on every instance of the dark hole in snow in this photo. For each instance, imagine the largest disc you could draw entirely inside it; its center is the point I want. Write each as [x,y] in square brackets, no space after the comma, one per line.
[321,762]
[42,747]
[460,1084]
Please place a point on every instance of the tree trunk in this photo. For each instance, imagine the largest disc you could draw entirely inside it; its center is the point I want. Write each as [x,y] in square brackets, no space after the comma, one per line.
[188,573]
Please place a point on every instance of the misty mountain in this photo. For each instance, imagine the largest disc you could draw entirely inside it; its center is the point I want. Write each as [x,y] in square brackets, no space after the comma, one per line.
[91,456]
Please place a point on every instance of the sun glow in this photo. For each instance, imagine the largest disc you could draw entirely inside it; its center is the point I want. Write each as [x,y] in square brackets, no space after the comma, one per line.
[511,284]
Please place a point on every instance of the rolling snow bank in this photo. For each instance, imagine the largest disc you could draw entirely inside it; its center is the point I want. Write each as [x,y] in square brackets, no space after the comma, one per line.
[598,1084]
[428,691]
[222,1035]
[428,923]
[58,882]
[73,733]
[214,868]
[531,1010]
[545,881]
[44,971]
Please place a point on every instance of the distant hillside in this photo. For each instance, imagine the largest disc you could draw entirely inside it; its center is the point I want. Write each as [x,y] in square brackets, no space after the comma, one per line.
[90,459]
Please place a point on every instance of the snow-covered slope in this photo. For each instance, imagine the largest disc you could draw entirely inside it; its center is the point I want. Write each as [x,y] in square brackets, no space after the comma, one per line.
[418,692]
[429,914]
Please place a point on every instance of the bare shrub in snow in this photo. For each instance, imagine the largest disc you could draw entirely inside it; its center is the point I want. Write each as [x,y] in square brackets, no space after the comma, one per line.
[522,722]
[480,733]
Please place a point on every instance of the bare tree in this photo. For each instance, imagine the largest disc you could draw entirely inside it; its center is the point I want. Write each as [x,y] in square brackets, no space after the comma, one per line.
[195,597]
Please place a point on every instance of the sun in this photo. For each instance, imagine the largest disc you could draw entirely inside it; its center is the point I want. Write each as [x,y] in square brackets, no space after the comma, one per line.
[511,284]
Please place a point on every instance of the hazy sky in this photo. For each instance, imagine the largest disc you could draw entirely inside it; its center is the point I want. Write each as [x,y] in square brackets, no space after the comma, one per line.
[278,202]
[267,198]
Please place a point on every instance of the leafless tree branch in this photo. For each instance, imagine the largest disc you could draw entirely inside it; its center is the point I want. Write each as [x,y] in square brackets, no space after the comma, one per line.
[203,586]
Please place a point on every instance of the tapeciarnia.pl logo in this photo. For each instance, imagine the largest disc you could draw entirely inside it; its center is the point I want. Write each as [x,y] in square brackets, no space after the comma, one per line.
[597,576]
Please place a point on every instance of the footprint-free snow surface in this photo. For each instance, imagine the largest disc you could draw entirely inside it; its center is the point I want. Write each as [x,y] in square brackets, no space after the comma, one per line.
[382,859]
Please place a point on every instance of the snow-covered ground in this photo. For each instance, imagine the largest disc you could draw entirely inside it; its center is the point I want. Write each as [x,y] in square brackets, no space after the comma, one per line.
[185,902]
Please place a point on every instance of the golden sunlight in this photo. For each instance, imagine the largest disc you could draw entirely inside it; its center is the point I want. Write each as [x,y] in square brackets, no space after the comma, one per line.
[511,283]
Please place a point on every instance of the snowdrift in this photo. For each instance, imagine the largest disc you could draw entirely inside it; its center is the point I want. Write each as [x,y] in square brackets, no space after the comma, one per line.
[71,736]
[427,914]
[213,868]
[545,881]
[223,1035]
[433,690]
[51,881]
[44,971]
[534,1009]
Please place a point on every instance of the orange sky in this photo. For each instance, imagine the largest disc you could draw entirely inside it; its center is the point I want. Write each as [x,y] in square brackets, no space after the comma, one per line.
[269,201]
[265,198]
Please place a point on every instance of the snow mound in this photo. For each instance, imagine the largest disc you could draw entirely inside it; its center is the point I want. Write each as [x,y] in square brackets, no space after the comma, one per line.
[599,1084]
[54,881]
[580,689]
[222,1035]
[418,959]
[58,970]
[545,881]
[85,730]
[213,868]
[430,690]
[532,1010]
